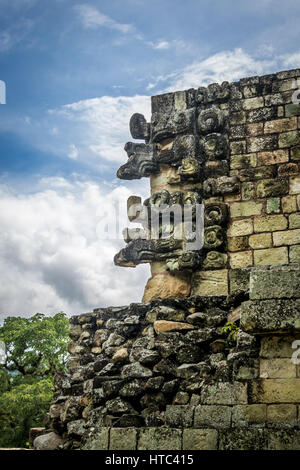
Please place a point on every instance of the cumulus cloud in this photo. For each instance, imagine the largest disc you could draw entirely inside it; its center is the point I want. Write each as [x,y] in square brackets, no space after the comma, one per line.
[225,65]
[93,18]
[51,257]
[103,124]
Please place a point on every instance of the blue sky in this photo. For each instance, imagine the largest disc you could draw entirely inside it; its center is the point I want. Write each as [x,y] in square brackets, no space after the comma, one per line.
[75,72]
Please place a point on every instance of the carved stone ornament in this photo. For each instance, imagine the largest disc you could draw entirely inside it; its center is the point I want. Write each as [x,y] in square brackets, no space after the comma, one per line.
[211,120]
[214,146]
[213,237]
[140,163]
[222,185]
[139,128]
[136,252]
[168,125]
[215,260]
[215,213]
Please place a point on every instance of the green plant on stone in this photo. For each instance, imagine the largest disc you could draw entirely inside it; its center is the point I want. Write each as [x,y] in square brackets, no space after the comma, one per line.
[230,330]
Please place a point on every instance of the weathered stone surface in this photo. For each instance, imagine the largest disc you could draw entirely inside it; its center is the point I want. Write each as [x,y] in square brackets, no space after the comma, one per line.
[279,368]
[159,439]
[283,414]
[136,370]
[284,440]
[178,416]
[224,393]
[245,415]
[275,391]
[161,326]
[208,283]
[212,416]
[98,440]
[243,439]
[50,441]
[200,439]
[164,286]
[267,316]
[275,283]
[271,256]
[123,439]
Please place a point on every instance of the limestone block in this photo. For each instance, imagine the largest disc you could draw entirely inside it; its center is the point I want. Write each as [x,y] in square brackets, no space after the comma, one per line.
[284,440]
[163,286]
[271,256]
[275,283]
[212,416]
[288,237]
[278,346]
[243,415]
[282,414]
[224,393]
[279,368]
[245,209]
[275,390]
[270,223]
[272,187]
[260,240]
[268,316]
[294,254]
[241,259]
[200,439]
[238,228]
[159,439]
[289,204]
[210,283]
[123,439]
[295,185]
[272,158]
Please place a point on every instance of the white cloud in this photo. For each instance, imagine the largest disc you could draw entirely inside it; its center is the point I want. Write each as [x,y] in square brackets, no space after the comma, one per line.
[50,256]
[159,44]
[98,128]
[225,65]
[92,18]
[73,153]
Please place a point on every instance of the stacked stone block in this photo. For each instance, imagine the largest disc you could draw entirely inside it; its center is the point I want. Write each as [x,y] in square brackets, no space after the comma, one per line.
[164,374]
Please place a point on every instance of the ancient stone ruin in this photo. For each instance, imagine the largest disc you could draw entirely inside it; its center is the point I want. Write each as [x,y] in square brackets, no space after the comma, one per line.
[209,359]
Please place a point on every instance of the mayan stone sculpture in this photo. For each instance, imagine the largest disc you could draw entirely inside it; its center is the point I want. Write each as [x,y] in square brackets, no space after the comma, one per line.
[210,358]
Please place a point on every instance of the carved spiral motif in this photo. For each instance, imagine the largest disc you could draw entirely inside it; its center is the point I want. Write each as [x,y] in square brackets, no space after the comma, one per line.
[210,120]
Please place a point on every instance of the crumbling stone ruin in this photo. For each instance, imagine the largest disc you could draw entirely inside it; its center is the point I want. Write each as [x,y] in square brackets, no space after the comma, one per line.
[170,372]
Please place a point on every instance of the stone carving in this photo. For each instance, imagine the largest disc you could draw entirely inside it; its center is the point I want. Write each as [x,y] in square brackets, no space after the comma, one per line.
[213,93]
[188,260]
[190,168]
[174,150]
[213,237]
[139,128]
[136,252]
[140,163]
[214,146]
[130,234]
[215,260]
[215,213]
[213,169]
[160,198]
[222,185]
[210,120]
[168,125]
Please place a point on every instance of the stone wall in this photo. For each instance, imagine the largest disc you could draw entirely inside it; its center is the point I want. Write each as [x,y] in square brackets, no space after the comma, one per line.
[168,373]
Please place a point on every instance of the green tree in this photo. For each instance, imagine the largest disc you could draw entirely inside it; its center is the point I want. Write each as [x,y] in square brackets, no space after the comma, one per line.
[36,348]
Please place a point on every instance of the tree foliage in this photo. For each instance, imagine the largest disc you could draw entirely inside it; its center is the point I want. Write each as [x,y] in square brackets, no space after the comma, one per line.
[36,348]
